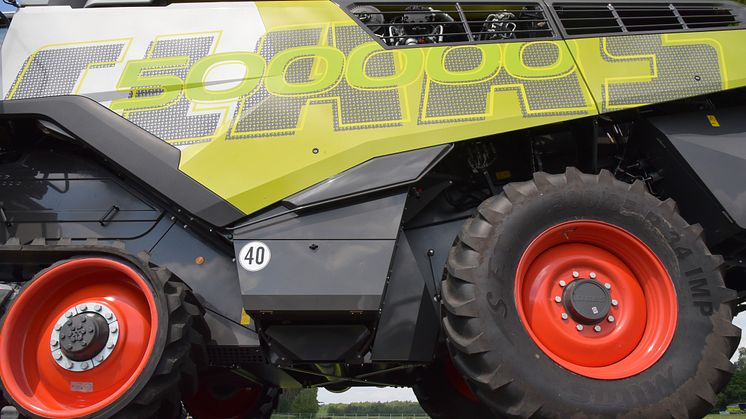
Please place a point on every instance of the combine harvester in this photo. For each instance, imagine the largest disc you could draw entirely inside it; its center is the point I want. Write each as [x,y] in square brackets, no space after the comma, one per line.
[521,209]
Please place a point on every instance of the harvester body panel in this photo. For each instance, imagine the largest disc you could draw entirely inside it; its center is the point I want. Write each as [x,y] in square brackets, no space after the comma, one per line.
[240,87]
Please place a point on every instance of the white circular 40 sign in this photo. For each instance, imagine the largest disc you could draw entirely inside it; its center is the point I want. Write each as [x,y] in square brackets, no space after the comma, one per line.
[254,256]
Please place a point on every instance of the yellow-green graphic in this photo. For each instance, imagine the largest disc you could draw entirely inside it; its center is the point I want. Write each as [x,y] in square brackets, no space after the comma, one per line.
[319,94]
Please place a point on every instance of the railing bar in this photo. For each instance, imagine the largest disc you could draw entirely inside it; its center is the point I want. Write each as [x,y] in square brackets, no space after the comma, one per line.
[464,22]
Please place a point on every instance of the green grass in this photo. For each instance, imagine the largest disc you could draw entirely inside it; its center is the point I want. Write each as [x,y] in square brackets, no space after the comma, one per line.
[716,416]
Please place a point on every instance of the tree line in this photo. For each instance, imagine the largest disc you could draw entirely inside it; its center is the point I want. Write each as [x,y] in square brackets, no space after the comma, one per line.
[305,401]
[375,408]
[735,391]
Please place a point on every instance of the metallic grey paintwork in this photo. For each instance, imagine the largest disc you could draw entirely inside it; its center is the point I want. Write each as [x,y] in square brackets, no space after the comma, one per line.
[716,154]
[153,161]
[376,174]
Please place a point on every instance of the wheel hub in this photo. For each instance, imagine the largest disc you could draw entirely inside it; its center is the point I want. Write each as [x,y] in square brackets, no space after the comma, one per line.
[587,301]
[84,337]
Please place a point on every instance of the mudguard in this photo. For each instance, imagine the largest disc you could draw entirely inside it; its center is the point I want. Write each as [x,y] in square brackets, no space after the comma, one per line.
[713,144]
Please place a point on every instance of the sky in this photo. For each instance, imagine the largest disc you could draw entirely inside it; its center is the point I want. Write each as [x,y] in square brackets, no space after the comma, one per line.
[375,394]
[6,7]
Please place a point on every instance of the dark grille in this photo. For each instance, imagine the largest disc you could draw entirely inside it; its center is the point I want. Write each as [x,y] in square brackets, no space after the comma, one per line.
[234,355]
[410,24]
[591,18]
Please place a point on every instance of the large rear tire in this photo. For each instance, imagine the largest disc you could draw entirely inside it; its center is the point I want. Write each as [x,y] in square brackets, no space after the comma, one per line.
[577,294]
[101,338]
[443,393]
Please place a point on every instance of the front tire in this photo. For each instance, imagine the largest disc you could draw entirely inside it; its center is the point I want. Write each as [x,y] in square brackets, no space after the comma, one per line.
[101,338]
[528,299]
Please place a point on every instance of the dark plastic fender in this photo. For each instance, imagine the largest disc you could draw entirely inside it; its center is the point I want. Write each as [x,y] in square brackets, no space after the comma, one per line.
[713,144]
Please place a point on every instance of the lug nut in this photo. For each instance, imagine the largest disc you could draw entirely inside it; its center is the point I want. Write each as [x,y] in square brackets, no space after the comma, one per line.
[110,345]
[575,274]
[114,329]
[84,365]
[593,275]
[68,364]
[558,299]
[607,286]
[109,315]
[614,303]
[563,283]
[69,314]
[611,319]
[58,327]
[97,307]
[100,358]
[579,327]
[597,328]
[83,307]
[564,316]
[55,342]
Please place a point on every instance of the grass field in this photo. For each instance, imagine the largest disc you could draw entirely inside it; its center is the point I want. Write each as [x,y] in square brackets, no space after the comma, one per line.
[725,416]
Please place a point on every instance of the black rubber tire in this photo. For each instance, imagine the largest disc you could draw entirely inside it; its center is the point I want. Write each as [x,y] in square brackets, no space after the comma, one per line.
[184,356]
[440,399]
[512,375]
[180,351]
[268,404]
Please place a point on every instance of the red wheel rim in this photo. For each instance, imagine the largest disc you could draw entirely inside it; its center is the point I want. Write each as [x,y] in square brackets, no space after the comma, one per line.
[637,329]
[224,395]
[30,374]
